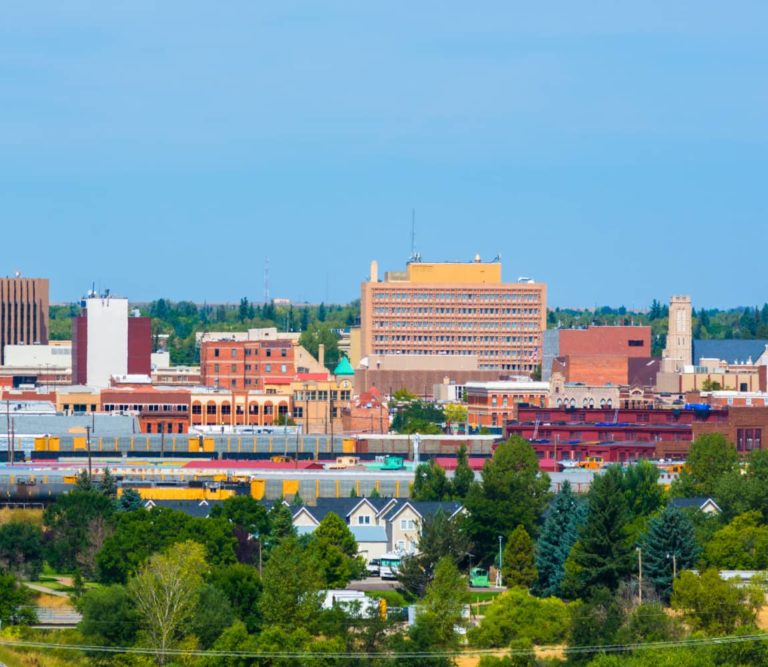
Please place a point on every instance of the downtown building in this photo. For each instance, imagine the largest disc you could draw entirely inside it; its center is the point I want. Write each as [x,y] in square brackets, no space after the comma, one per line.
[108,341]
[23,312]
[452,310]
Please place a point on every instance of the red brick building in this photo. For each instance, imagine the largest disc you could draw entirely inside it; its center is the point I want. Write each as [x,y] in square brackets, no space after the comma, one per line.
[492,404]
[601,355]
[624,341]
[246,364]
[159,410]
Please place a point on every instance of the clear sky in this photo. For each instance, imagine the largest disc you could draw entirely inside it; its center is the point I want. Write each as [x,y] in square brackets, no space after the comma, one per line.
[615,150]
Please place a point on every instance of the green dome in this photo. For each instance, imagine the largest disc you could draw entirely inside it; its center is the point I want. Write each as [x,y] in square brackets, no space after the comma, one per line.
[343,367]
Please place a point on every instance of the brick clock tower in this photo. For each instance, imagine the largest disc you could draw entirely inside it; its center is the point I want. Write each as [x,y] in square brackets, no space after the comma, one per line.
[679,349]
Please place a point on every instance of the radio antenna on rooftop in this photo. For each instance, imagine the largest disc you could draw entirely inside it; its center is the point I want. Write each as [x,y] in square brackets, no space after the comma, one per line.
[266,279]
[415,257]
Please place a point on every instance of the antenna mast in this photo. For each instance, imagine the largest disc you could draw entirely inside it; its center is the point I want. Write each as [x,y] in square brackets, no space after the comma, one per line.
[415,257]
[266,280]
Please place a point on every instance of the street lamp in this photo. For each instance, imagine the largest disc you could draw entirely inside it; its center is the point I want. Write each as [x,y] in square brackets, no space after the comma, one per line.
[674,565]
[499,579]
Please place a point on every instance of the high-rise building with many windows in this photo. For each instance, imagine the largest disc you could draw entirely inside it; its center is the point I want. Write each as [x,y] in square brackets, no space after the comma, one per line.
[23,312]
[455,309]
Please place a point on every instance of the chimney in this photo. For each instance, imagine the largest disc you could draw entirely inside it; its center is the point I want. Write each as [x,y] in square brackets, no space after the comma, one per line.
[374,271]
[321,354]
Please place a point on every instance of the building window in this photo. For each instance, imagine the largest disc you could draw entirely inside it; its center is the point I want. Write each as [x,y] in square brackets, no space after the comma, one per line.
[216,352]
[268,352]
[233,368]
[283,352]
[298,412]
[215,368]
[267,409]
[197,409]
[364,520]
[637,343]
[283,368]
[407,524]
[149,428]
[210,409]
[226,409]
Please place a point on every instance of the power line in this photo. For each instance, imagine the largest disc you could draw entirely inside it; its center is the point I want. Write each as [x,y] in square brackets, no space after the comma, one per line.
[609,648]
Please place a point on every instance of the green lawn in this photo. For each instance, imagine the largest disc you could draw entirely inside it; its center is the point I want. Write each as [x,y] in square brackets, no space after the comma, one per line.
[484,596]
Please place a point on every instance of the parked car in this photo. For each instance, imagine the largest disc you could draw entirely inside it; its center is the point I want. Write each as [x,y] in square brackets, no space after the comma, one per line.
[374,567]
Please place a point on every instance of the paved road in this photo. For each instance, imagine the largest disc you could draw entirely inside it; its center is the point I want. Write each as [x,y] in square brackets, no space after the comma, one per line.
[48,591]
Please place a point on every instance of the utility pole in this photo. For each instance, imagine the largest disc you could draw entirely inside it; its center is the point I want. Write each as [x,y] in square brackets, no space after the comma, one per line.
[12,450]
[639,575]
[88,446]
[8,427]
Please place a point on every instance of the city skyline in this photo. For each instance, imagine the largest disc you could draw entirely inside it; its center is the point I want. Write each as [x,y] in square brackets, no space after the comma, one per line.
[612,152]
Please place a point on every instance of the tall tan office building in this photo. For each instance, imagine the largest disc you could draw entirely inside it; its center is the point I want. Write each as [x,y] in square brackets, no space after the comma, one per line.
[23,312]
[455,309]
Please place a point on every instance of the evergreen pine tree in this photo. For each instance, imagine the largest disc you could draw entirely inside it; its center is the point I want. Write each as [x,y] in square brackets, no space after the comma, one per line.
[463,475]
[566,513]
[129,501]
[670,534]
[604,556]
[108,484]
[519,568]
[83,481]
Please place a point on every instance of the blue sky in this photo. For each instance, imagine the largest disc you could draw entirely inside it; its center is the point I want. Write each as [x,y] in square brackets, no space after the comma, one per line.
[616,151]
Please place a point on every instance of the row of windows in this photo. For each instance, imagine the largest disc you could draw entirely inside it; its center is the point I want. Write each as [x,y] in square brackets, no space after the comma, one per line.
[267,368]
[383,338]
[458,353]
[217,352]
[166,428]
[226,409]
[399,324]
[457,296]
[322,395]
[425,310]
[145,407]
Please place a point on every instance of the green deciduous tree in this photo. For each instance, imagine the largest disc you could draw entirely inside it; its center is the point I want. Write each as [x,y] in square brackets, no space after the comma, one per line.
[71,524]
[109,616]
[518,615]
[643,492]
[212,615]
[441,536]
[513,491]
[290,587]
[738,492]
[602,555]
[245,511]
[713,605]
[318,333]
[595,622]
[741,545]
[669,544]
[650,622]
[242,586]
[430,482]
[15,601]
[138,535]
[441,611]
[21,549]
[519,567]
[335,551]
[165,592]
[565,515]
[710,457]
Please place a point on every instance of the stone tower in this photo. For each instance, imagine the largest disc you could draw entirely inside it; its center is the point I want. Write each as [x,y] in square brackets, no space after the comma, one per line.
[679,349]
